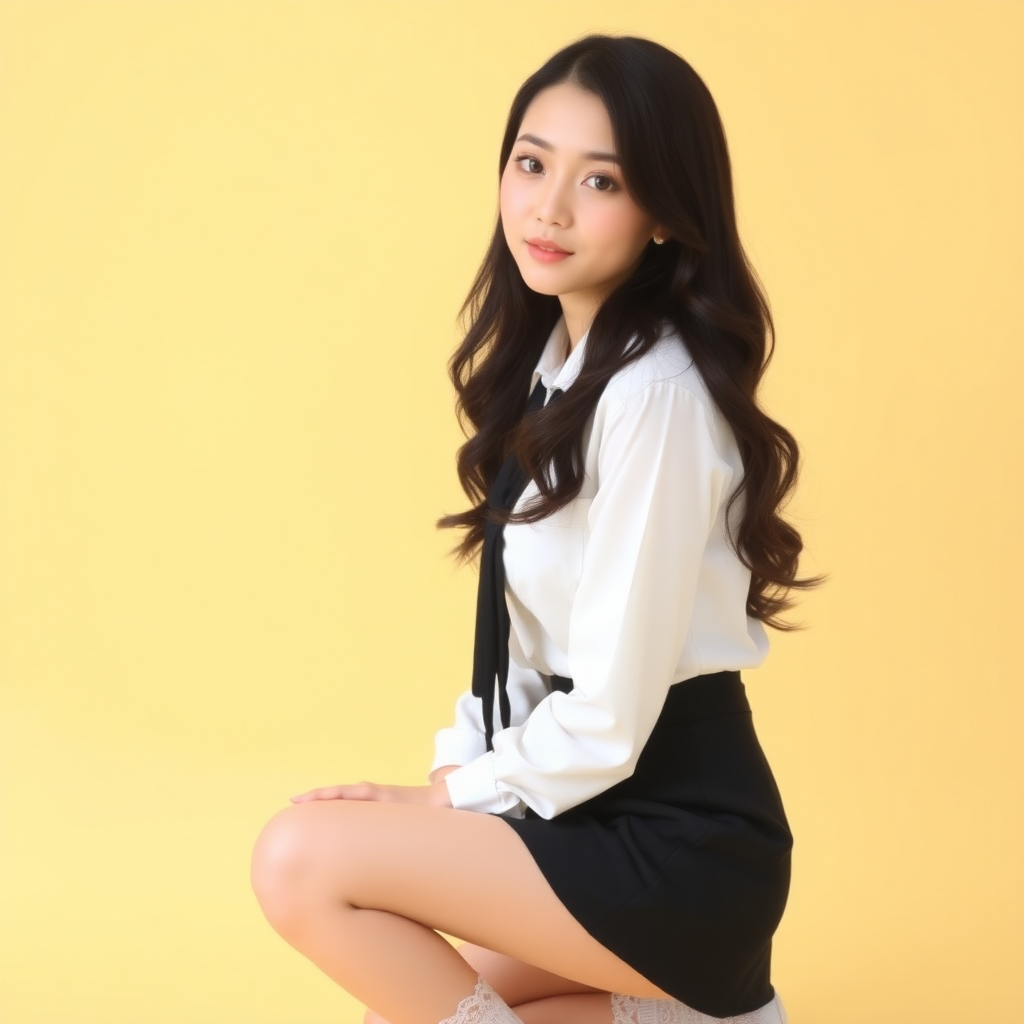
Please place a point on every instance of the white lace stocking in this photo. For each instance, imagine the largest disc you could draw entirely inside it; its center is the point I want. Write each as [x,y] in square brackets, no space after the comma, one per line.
[484,1006]
[635,1010]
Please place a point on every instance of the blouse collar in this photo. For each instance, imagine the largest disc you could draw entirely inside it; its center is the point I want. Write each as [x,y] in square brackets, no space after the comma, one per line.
[553,368]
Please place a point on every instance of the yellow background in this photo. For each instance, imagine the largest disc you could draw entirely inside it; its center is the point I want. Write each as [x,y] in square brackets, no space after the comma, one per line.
[233,241]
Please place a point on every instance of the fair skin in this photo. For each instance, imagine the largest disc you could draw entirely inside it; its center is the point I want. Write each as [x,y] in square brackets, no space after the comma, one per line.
[361,878]
[562,183]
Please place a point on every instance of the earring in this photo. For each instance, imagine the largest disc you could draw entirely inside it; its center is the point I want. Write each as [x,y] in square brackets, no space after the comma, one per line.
[657,240]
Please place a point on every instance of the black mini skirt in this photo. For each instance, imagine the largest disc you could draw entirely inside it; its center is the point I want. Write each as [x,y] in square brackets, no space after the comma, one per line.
[682,870]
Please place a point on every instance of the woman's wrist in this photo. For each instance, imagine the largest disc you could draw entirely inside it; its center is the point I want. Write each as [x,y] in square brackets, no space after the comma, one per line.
[439,773]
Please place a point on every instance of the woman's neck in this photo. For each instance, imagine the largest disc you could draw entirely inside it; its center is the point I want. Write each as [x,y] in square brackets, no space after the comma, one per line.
[578,317]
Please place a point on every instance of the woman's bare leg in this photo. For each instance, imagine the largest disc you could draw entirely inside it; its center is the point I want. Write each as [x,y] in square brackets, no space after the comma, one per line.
[518,982]
[359,887]
[537,996]
[584,1009]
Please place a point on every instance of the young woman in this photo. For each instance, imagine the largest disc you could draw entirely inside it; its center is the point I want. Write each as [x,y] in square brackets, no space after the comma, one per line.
[610,844]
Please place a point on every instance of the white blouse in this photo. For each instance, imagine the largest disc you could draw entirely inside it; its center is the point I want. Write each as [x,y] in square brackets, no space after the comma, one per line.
[630,588]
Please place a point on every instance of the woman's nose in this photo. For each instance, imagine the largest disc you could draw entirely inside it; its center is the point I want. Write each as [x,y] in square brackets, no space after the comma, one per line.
[554,204]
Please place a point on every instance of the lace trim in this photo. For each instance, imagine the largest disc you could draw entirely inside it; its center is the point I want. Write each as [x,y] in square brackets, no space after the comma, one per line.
[483,1006]
[637,1010]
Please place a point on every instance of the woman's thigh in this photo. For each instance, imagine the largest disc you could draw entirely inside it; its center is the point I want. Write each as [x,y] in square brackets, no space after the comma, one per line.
[463,873]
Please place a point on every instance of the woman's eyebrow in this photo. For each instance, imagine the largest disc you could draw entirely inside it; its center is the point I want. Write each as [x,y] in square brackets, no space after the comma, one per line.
[537,141]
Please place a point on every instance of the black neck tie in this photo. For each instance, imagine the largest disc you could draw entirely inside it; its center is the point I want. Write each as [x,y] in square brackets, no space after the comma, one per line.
[490,650]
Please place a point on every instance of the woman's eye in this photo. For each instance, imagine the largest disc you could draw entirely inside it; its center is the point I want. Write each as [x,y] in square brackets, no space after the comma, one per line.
[607,186]
[523,161]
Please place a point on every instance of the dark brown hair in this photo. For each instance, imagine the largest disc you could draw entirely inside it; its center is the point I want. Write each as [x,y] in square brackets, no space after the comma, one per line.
[675,165]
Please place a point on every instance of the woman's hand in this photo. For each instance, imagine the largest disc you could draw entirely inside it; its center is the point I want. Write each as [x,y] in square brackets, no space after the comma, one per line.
[434,795]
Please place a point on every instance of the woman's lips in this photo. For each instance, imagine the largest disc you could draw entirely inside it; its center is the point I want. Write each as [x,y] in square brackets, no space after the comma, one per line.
[546,255]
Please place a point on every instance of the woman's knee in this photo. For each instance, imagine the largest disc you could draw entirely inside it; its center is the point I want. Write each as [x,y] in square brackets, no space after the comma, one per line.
[285,870]
[276,860]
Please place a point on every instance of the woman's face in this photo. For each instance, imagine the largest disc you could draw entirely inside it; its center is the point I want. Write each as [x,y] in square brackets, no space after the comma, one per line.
[563,187]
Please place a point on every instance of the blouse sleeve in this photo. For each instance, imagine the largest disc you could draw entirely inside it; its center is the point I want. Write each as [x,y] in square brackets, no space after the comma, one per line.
[661,482]
[464,741]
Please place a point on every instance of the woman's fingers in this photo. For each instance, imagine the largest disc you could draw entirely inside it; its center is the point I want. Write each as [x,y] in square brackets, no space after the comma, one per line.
[358,791]
[435,795]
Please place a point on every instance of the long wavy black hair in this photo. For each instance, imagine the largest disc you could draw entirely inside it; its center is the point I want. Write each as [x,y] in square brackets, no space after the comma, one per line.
[675,165]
